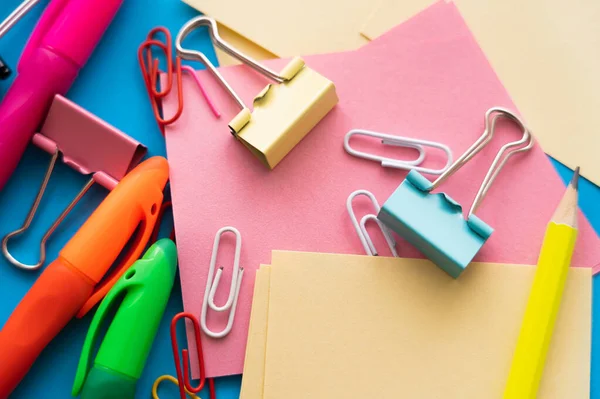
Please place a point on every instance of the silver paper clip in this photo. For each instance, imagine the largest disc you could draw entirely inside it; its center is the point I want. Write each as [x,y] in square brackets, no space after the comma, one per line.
[361,229]
[398,141]
[213,284]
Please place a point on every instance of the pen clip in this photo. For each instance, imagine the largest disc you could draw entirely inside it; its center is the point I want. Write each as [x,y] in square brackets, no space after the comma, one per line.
[133,254]
[49,16]
[118,293]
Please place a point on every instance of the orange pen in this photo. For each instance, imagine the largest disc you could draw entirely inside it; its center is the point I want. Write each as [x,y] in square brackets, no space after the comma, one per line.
[72,284]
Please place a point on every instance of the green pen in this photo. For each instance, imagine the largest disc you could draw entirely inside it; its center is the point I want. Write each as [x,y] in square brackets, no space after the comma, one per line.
[142,292]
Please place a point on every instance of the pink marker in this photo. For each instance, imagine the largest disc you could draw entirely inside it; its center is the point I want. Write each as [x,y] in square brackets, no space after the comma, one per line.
[60,45]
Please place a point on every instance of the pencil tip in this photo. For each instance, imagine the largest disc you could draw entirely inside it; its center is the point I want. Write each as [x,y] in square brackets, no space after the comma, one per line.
[575,179]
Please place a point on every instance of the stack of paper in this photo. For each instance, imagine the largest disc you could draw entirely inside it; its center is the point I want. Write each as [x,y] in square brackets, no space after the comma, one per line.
[426,79]
[346,326]
[546,52]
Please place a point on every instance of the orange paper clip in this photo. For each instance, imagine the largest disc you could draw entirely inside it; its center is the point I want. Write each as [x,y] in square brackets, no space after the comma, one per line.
[151,72]
[183,376]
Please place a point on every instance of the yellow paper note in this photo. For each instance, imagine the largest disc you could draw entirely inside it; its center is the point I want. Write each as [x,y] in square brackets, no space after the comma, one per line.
[346,326]
[242,44]
[309,27]
[547,54]
[254,366]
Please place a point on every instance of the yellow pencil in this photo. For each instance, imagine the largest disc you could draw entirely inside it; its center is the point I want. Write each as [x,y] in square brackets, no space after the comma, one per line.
[544,298]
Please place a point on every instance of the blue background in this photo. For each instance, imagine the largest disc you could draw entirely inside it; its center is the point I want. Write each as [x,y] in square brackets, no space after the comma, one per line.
[111,87]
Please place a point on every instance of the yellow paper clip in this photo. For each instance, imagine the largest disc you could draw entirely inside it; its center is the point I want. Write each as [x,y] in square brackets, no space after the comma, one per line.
[283,113]
[171,379]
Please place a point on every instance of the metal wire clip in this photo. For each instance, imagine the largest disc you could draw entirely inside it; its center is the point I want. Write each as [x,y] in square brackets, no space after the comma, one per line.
[504,154]
[151,72]
[183,376]
[398,141]
[172,379]
[361,228]
[213,284]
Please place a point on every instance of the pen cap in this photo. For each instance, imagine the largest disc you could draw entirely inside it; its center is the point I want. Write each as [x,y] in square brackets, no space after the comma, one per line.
[131,208]
[141,296]
[72,28]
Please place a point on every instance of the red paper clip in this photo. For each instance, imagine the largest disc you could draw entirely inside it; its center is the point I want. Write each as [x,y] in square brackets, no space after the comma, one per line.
[183,377]
[211,388]
[151,72]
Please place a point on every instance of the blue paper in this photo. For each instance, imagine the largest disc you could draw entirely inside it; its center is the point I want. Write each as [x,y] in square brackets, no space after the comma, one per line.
[434,224]
[110,86]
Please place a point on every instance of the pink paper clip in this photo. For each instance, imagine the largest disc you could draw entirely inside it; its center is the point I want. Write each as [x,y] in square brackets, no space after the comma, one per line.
[87,144]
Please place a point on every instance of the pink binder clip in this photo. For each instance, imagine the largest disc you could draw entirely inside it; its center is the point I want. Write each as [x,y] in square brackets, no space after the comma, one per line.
[87,144]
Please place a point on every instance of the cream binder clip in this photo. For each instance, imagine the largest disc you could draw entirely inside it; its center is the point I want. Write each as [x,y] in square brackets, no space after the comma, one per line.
[283,113]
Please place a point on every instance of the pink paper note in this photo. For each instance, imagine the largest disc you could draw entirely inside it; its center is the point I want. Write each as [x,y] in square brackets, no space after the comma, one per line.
[426,79]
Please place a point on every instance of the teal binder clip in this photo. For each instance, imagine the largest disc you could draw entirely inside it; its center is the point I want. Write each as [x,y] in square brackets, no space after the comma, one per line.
[434,223]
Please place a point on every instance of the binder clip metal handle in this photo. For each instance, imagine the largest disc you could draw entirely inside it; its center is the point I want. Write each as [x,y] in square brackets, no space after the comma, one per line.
[212,284]
[31,215]
[193,55]
[506,152]
[361,229]
[391,140]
